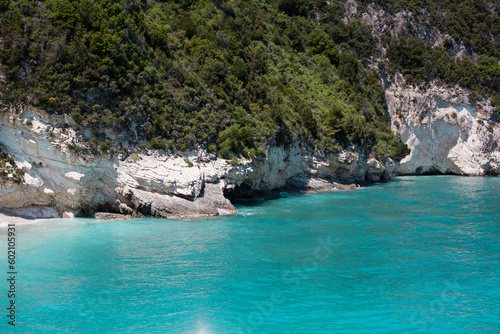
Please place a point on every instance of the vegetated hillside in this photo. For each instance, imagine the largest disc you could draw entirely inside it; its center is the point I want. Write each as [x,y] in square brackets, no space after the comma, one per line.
[232,77]
[474,23]
[470,25]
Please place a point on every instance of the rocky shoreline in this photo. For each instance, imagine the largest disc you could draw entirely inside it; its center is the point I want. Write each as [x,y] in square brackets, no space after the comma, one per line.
[61,183]
[8,218]
[445,133]
[298,185]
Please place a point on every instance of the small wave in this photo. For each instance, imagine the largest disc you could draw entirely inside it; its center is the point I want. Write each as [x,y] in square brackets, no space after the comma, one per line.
[247,214]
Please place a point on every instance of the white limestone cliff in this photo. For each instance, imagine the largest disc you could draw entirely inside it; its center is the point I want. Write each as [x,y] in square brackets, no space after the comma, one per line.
[445,133]
[60,183]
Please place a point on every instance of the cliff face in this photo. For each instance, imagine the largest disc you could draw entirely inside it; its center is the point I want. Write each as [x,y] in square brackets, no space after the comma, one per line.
[444,130]
[60,183]
[445,133]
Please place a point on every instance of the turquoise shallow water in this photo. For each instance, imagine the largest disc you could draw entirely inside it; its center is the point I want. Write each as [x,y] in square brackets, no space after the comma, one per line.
[419,255]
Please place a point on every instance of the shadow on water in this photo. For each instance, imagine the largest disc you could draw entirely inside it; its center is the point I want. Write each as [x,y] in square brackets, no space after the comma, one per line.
[260,198]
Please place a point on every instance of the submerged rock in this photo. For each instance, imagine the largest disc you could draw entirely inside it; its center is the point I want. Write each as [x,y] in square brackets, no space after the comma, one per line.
[110,216]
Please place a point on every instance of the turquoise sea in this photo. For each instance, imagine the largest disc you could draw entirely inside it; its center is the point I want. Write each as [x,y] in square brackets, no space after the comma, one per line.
[417,255]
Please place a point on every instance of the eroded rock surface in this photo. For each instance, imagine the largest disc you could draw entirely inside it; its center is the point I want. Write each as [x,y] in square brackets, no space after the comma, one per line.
[60,183]
[445,133]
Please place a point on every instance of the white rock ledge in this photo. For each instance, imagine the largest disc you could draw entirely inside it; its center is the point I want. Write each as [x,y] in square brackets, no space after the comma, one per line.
[61,183]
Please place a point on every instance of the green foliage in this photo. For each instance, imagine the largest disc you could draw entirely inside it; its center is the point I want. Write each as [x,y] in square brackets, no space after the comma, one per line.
[232,76]
[392,147]
[421,62]
[212,148]
[475,23]
[355,128]
[240,69]
[234,161]
[235,139]
[296,7]
[348,68]
[76,148]
[319,43]
[104,146]
[158,143]
[334,121]
[4,5]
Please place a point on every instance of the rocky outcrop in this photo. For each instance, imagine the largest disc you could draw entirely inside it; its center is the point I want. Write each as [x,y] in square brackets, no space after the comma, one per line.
[298,167]
[61,183]
[445,133]
[404,23]
[58,182]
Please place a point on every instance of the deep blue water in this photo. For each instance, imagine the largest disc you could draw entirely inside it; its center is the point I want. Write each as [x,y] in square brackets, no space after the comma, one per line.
[419,255]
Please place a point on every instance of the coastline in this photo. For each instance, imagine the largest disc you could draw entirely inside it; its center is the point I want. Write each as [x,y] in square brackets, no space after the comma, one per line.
[294,186]
[7,218]
[297,185]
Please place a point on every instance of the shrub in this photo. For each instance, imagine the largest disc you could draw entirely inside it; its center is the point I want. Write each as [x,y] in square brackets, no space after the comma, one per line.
[233,161]
[77,117]
[158,143]
[104,146]
[212,148]
[296,7]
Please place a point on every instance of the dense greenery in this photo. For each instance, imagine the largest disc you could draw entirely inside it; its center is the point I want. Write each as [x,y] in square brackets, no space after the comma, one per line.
[233,76]
[423,63]
[230,76]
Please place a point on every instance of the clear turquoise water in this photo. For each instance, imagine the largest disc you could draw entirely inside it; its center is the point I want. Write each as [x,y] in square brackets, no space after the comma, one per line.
[420,255]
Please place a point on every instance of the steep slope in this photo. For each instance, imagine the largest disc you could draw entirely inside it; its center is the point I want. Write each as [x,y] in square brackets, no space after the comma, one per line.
[446,104]
[233,77]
